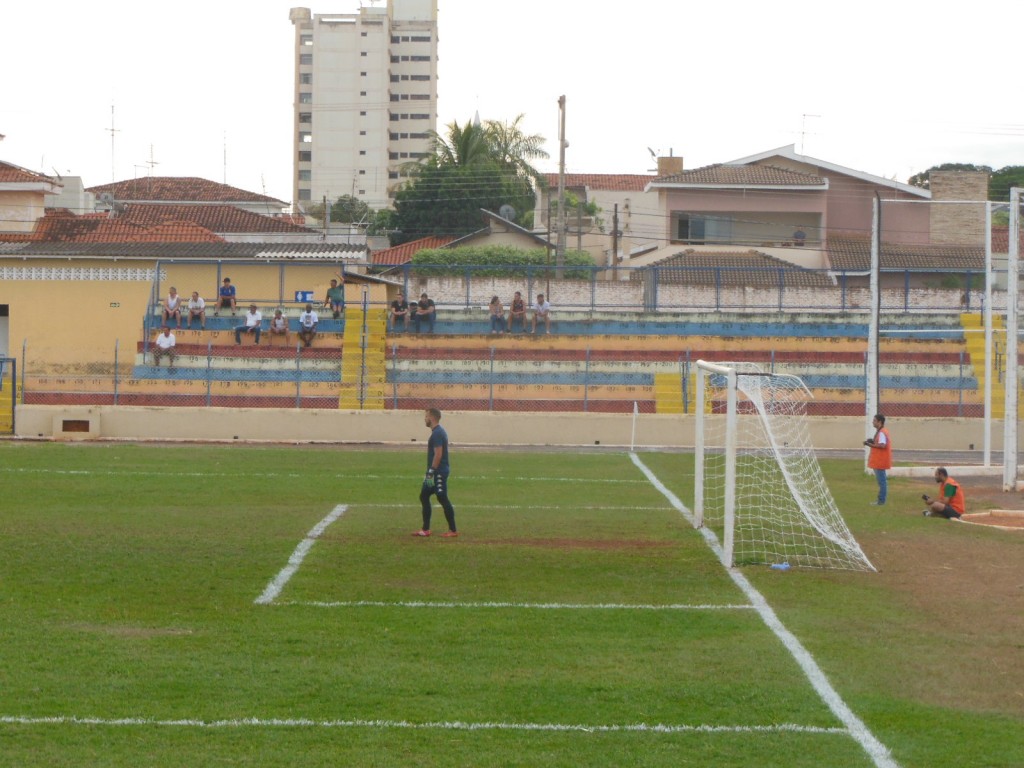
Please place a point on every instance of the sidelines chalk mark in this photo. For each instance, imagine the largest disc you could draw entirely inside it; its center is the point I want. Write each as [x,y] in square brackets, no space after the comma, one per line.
[274,587]
[876,750]
[254,722]
[497,604]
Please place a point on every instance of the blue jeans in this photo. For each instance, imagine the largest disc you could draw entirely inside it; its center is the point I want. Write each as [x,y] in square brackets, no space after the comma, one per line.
[497,324]
[427,319]
[883,485]
[246,329]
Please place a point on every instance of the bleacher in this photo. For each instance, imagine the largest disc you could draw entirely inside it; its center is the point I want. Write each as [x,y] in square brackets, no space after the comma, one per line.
[601,362]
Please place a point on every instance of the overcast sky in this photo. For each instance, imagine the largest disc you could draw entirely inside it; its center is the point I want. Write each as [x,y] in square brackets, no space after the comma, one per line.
[888,87]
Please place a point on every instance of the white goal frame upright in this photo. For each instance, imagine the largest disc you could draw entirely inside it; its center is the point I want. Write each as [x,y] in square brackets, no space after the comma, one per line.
[765,485]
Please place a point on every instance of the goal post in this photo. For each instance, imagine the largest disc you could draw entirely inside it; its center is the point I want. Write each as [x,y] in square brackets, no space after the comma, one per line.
[757,478]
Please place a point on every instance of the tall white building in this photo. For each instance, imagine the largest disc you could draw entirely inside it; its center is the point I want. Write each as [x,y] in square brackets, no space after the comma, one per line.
[365,99]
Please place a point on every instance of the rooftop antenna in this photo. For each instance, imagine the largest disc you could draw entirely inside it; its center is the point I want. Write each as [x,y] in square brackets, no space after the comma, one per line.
[803,130]
[112,130]
[225,157]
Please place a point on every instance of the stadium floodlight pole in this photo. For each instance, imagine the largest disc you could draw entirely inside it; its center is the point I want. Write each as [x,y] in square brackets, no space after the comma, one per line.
[1012,297]
[871,401]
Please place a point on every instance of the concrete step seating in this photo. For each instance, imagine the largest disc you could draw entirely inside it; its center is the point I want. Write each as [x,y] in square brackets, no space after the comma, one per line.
[602,361]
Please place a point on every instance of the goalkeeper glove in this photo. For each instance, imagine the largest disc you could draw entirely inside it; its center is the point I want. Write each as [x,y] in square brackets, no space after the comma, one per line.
[429,478]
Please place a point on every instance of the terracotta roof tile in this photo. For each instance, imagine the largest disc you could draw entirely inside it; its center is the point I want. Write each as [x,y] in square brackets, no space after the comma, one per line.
[226,219]
[613,182]
[751,267]
[402,254]
[12,174]
[742,175]
[179,189]
[854,254]
[197,250]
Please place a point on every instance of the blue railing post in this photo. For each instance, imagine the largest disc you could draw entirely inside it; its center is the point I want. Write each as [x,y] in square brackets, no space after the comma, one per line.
[209,373]
[490,403]
[298,375]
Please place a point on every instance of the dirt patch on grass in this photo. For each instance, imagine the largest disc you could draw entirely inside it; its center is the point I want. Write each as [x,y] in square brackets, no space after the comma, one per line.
[126,631]
[964,588]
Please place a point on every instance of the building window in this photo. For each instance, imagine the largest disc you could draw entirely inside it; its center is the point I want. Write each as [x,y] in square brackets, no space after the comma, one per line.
[305,98]
[305,194]
[421,97]
[394,78]
[418,136]
[362,151]
[396,39]
[362,93]
[306,137]
[393,118]
[419,117]
[306,39]
[362,173]
[362,133]
[362,53]
[421,39]
[305,157]
[362,74]
[419,58]
[305,117]
[306,78]
[395,97]
[420,77]
[362,34]
[392,174]
[305,175]
[362,191]
[394,59]
[305,59]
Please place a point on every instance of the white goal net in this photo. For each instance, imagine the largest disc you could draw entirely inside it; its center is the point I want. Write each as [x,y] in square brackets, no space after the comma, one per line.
[758,481]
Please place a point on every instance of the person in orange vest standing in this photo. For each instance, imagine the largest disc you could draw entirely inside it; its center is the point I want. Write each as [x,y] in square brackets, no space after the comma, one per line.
[950,503]
[880,457]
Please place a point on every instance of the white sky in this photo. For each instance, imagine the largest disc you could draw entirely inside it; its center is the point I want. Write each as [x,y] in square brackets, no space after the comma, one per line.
[888,87]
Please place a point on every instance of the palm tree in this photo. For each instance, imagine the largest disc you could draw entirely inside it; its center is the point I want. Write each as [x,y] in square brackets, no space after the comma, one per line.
[465,146]
[513,149]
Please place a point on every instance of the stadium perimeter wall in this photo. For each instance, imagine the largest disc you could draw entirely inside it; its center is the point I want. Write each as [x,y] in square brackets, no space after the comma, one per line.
[466,427]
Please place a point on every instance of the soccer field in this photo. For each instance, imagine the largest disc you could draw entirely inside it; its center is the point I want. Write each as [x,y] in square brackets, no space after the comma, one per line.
[167,605]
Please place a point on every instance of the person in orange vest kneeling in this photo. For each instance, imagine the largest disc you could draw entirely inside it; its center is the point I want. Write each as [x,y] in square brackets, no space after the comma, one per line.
[950,501]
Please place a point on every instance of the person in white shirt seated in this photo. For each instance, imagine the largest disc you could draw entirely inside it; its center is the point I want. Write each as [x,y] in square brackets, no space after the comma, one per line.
[172,307]
[541,313]
[278,327]
[253,323]
[164,347]
[307,325]
[196,311]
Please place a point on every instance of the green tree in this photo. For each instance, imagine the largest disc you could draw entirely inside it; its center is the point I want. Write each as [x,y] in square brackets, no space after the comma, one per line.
[1001,181]
[923,179]
[345,210]
[472,166]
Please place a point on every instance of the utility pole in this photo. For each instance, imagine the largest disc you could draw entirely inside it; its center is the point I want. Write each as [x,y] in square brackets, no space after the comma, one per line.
[615,242]
[112,130]
[560,247]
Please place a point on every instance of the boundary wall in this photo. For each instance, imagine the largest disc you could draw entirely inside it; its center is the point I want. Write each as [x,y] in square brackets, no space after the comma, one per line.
[466,427]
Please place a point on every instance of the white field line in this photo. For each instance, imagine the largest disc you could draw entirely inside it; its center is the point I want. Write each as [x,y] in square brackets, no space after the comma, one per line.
[445,726]
[877,751]
[534,606]
[162,472]
[274,587]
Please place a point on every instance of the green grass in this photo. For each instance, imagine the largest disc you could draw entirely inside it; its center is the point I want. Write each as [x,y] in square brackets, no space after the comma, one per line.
[128,576]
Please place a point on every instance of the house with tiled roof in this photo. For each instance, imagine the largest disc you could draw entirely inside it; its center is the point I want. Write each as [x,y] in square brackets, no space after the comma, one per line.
[23,197]
[190,190]
[816,214]
[398,255]
[621,194]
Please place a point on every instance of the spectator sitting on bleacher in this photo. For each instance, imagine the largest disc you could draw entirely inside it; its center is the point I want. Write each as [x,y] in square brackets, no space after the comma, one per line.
[307,325]
[400,311]
[172,307]
[164,345]
[253,323]
[278,327]
[517,313]
[497,315]
[196,310]
[225,297]
[335,300]
[424,311]
[542,312]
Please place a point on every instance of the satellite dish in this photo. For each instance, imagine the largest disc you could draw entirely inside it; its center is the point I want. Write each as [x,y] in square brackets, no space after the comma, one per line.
[107,199]
[507,212]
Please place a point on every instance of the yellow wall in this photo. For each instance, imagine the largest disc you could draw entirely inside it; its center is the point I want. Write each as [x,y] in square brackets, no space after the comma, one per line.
[69,323]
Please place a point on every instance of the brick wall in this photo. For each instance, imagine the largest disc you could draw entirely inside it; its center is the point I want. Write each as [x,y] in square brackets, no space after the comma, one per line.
[955,222]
